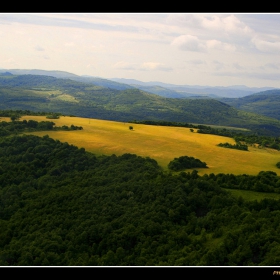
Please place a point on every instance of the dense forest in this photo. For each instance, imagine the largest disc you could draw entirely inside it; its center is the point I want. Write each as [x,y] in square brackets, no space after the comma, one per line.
[63,206]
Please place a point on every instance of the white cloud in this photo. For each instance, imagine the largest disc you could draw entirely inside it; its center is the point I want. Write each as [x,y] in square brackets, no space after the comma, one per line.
[268,46]
[192,43]
[164,47]
[274,66]
[188,43]
[237,66]
[218,65]
[196,61]
[214,22]
[154,66]
[124,66]
[146,66]
[215,44]
[232,24]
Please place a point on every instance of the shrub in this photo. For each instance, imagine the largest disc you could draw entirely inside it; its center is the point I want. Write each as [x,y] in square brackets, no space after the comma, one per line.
[185,162]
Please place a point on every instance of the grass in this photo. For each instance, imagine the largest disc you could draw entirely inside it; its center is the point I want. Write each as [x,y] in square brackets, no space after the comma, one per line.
[251,195]
[162,144]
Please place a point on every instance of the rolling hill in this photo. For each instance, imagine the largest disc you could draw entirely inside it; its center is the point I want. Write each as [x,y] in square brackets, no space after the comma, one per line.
[66,75]
[187,91]
[162,143]
[159,88]
[266,103]
[50,94]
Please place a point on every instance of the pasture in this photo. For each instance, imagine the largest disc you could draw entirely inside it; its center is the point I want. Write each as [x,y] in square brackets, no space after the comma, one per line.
[161,143]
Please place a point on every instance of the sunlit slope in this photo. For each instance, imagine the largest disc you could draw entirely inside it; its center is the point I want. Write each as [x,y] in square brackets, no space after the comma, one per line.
[162,144]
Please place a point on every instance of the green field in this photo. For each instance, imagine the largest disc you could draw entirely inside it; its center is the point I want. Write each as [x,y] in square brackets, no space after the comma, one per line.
[251,195]
[162,144]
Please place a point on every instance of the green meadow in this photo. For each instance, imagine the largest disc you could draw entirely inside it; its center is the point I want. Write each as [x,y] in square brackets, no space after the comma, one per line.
[162,144]
[251,195]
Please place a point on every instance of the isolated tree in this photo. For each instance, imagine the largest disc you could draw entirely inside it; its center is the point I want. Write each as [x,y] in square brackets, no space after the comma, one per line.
[14,117]
[130,127]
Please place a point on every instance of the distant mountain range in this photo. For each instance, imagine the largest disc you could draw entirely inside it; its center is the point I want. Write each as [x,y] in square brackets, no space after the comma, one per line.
[159,88]
[185,91]
[80,96]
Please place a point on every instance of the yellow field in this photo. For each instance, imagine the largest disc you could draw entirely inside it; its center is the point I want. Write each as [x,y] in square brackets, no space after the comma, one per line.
[162,144]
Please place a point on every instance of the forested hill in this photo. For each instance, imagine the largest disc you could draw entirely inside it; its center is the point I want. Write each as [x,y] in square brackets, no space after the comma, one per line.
[66,75]
[30,81]
[63,206]
[50,94]
[266,103]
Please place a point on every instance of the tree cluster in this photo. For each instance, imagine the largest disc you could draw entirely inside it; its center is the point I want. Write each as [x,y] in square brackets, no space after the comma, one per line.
[185,162]
[237,146]
[265,181]
[260,140]
[14,127]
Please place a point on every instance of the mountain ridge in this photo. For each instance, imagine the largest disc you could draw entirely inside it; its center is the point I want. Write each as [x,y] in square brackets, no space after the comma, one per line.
[174,91]
[266,103]
[70,97]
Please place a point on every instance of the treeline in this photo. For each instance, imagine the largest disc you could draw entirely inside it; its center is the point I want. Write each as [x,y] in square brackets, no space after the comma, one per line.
[20,113]
[63,206]
[14,127]
[265,181]
[237,146]
[240,137]
[167,123]
[263,141]
[245,137]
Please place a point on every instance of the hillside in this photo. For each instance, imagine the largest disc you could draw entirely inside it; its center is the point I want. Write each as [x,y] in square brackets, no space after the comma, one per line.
[266,103]
[66,75]
[50,94]
[162,143]
[167,92]
[186,91]
[63,206]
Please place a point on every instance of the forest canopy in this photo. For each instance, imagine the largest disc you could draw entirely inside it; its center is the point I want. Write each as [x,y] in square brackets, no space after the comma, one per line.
[63,206]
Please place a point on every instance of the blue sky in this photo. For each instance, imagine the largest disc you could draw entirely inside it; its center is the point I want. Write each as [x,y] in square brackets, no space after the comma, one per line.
[183,49]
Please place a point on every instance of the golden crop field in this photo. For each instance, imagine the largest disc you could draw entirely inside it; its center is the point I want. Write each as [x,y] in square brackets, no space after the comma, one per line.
[163,144]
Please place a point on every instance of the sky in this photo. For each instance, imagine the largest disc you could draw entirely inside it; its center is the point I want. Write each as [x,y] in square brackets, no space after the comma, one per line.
[202,49]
